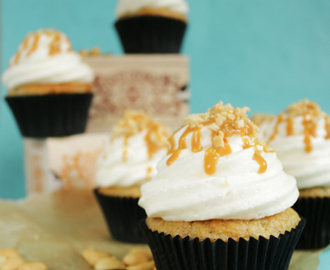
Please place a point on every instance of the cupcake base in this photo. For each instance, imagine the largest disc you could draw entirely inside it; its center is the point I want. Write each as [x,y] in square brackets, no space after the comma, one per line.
[122,216]
[316,211]
[51,115]
[151,34]
[184,254]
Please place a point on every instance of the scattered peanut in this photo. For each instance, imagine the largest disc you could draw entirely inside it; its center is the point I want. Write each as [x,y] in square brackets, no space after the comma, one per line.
[9,253]
[144,250]
[12,263]
[33,266]
[2,259]
[143,266]
[135,258]
[92,256]
[109,263]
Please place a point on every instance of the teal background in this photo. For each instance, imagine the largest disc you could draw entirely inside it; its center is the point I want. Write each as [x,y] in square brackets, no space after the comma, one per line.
[261,54]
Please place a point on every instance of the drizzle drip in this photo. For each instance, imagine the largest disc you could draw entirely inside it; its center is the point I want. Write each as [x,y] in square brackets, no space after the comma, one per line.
[309,131]
[327,127]
[149,170]
[212,156]
[260,160]
[289,127]
[125,146]
[279,120]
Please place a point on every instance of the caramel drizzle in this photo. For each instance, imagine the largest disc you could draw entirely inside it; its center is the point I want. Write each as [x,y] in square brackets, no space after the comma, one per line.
[149,170]
[34,44]
[309,131]
[54,46]
[279,120]
[327,127]
[153,147]
[213,154]
[289,127]
[125,148]
[257,156]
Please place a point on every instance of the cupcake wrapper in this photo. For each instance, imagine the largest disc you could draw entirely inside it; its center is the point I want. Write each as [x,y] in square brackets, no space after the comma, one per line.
[317,214]
[122,216]
[51,115]
[151,34]
[184,254]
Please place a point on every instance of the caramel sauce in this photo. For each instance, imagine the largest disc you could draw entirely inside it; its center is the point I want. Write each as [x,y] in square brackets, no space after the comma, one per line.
[54,46]
[34,44]
[279,120]
[261,161]
[309,131]
[125,145]
[152,146]
[327,127]
[17,57]
[289,127]
[149,170]
[196,142]
[212,156]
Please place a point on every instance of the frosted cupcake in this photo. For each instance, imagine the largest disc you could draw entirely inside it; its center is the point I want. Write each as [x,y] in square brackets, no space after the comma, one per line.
[151,26]
[220,199]
[50,88]
[301,137]
[129,160]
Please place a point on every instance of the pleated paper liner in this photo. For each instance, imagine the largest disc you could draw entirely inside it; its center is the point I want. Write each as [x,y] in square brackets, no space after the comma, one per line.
[51,115]
[316,211]
[151,34]
[122,216]
[184,254]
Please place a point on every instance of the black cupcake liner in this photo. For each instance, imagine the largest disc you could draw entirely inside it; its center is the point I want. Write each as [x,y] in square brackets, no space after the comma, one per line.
[151,34]
[316,211]
[50,115]
[184,254]
[122,216]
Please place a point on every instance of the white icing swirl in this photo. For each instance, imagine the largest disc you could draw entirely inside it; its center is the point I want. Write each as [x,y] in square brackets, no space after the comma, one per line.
[183,191]
[35,63]
[112,170]
[131,6]
[310,169]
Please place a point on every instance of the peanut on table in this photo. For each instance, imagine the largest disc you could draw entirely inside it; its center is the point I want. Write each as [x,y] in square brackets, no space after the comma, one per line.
[11,260]
[138,258]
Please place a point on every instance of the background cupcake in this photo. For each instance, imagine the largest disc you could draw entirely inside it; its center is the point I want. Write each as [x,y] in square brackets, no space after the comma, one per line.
[301,137]
[128,161]
[50,88]
[149,26]
[220,199]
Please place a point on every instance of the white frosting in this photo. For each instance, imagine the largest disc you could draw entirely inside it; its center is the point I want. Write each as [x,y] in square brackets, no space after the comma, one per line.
[40,67]
[130,6]
[183,191]
[310,169]
[112,170]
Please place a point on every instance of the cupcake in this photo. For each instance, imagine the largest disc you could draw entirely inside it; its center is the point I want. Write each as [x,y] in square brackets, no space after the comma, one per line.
[301,137]
[129,160]
[220,199]
[50,88]
[151,26]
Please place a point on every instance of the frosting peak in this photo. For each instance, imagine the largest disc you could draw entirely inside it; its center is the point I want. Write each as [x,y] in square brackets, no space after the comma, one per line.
[131,154]
[46,57]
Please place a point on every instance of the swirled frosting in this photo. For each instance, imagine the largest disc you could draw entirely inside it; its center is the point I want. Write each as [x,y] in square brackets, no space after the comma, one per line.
[216,169]
[46,57]
[301,138]
[132,152]
[130,6]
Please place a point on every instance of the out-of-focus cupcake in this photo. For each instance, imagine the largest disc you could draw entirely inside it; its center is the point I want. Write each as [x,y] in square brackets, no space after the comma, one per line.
[220,199]
[49,87]
[301,137]
[129,160]
[151,26]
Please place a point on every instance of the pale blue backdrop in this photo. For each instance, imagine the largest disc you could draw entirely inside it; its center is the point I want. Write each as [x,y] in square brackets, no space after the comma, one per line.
[261,54]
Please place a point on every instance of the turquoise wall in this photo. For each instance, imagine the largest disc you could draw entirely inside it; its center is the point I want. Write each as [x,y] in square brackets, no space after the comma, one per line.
[261,54]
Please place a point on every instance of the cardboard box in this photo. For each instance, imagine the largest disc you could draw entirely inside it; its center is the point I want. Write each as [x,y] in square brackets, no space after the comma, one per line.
[157,84]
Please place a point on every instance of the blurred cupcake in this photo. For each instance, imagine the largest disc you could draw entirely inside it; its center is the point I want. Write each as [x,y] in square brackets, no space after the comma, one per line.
[220,199]
[128,161]
[151,26]
[50,88]
[301,137]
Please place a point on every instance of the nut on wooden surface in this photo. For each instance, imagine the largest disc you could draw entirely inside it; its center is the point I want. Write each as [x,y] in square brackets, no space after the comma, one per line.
[12,263]
[9,253]
[33,266]
[109,263]
[92,256]
[143,266]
